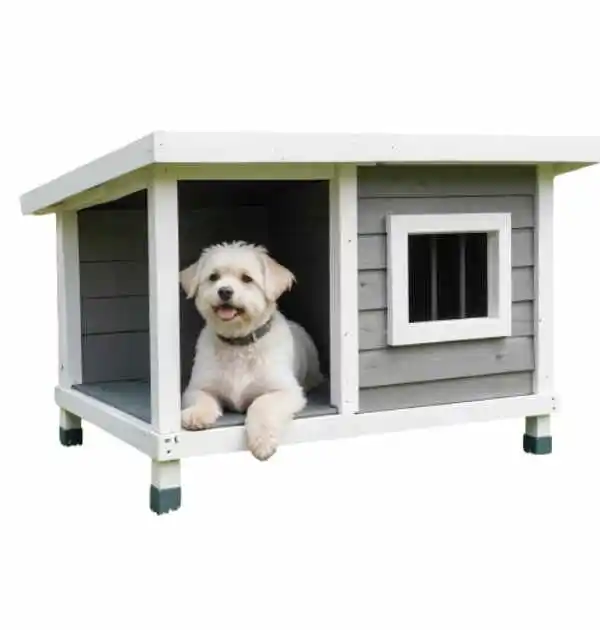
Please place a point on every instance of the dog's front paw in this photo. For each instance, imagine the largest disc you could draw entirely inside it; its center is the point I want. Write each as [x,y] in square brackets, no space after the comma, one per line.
[200,416]
[262,439]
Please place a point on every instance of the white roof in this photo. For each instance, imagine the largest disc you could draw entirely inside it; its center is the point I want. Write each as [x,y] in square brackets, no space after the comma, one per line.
[567,152]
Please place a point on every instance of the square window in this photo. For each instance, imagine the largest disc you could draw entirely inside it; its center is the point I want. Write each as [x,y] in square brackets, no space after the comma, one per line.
[449,277]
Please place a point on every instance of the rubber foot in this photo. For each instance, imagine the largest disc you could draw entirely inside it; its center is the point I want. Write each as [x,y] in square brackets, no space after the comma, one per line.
[166,500]
[71,437]
[537,445]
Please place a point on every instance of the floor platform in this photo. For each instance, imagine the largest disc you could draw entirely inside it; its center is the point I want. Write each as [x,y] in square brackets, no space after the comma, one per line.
[133,397]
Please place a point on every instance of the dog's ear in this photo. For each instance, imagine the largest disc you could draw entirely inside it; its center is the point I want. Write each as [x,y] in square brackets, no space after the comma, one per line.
[277,278]
[189,278]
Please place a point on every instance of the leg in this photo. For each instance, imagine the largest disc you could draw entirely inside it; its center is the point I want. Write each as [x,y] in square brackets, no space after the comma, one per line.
[71,433]
[537,439]
[165,491]
[266,418]
[201,410]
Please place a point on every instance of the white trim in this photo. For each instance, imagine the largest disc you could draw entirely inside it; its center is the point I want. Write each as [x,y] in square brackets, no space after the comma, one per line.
[165,474]
[69,299]
[250,171]
[127,428]
[230,439]
[343,202]
[538,426]
[403,332]
[544,264]
[163,275]
[100,171]
[113,189]
[325,148]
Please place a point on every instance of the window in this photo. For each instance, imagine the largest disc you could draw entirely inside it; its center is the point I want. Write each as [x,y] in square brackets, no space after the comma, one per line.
[449,277]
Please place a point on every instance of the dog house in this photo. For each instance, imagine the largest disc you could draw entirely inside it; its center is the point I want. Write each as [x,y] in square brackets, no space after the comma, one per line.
[423,266]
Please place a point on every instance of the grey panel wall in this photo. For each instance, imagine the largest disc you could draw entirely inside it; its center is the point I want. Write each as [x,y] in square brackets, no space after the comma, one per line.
[113,253]
[442,372]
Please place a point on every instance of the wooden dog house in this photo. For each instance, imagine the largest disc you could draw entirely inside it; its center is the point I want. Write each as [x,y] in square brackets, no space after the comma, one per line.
[424,267]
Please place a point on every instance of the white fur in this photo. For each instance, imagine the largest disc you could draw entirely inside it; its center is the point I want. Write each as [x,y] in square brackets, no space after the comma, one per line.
[266,379]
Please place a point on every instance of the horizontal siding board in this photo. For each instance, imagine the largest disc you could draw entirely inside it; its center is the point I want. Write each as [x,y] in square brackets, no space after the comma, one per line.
[372,212]
[114,314]
[110,235]
[380,181]
[432,362]
[372,250]
[372,289]
[373,325]
[116,356]
[446,391]
[113,279]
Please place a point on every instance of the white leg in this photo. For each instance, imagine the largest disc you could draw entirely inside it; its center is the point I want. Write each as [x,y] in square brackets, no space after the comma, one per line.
[537,439]
[201,410]
[268,416]
[71,433]
[165,491]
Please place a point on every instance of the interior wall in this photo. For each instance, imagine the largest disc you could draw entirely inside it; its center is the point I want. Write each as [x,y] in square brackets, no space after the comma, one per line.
[291,219]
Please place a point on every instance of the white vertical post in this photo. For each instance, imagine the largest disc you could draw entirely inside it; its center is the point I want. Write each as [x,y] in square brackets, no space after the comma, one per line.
[539,426]
[69,299]
[343,207]
[163,259]
[69,309]
[544,263]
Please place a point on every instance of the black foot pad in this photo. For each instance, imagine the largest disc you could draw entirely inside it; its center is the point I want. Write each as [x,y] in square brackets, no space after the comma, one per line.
[537,445]
[71,437]
[163,501]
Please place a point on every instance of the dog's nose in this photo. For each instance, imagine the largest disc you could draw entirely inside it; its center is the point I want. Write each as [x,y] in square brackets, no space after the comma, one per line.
[225,293]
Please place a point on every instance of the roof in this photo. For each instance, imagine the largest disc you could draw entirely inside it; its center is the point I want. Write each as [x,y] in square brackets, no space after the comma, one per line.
[566,152]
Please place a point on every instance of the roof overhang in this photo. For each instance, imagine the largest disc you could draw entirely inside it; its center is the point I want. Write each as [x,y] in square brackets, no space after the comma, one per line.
[128,169]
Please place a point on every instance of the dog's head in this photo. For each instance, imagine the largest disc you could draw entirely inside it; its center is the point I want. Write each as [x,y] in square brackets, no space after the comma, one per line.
[235,286]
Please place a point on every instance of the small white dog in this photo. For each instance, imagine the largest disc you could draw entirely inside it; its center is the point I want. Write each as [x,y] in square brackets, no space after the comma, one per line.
[249,357]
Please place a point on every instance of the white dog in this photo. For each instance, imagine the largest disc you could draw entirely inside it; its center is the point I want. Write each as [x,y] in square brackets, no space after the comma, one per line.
[249,357]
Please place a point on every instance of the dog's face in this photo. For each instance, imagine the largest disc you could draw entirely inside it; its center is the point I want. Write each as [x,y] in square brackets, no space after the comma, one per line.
[235,286]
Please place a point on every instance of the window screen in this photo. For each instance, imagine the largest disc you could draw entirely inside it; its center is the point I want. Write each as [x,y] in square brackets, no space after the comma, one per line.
[447,276]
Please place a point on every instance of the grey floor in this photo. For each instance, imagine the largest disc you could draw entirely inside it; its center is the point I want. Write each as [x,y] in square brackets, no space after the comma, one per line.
[133,397]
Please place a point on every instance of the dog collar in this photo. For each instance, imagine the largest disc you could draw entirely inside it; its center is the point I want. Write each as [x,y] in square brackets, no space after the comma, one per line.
[252,337]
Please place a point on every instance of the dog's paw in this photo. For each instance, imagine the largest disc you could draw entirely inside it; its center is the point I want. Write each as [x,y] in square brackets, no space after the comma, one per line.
[199,417]
[261,439]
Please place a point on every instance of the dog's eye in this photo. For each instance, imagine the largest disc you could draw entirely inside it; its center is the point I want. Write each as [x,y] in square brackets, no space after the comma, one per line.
[246,278]
[213,277]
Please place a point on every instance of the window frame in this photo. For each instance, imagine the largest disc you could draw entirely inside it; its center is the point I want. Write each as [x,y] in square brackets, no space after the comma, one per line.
[400,331]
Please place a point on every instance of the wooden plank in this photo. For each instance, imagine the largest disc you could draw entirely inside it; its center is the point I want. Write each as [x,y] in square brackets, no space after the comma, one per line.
[372,287]
[386,181]
[372,213]
[343,299]
[446,391]
[114,315]
[372,250]
[373,325]
[544,258]
[114,279]
[116,356]
[68,295]
[431,362]
[111,235]
[164,293]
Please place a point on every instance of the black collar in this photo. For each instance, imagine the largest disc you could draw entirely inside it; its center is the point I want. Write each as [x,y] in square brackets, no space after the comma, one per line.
[246,340]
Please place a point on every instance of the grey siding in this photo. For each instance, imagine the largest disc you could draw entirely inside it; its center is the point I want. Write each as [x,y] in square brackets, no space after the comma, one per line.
[113,253]
[443,372]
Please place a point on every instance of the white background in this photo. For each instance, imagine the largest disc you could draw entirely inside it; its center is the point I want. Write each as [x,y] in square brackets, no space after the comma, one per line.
[443,528]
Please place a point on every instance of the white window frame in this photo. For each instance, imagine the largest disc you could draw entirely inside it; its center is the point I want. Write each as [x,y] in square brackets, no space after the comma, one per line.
[401,332]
